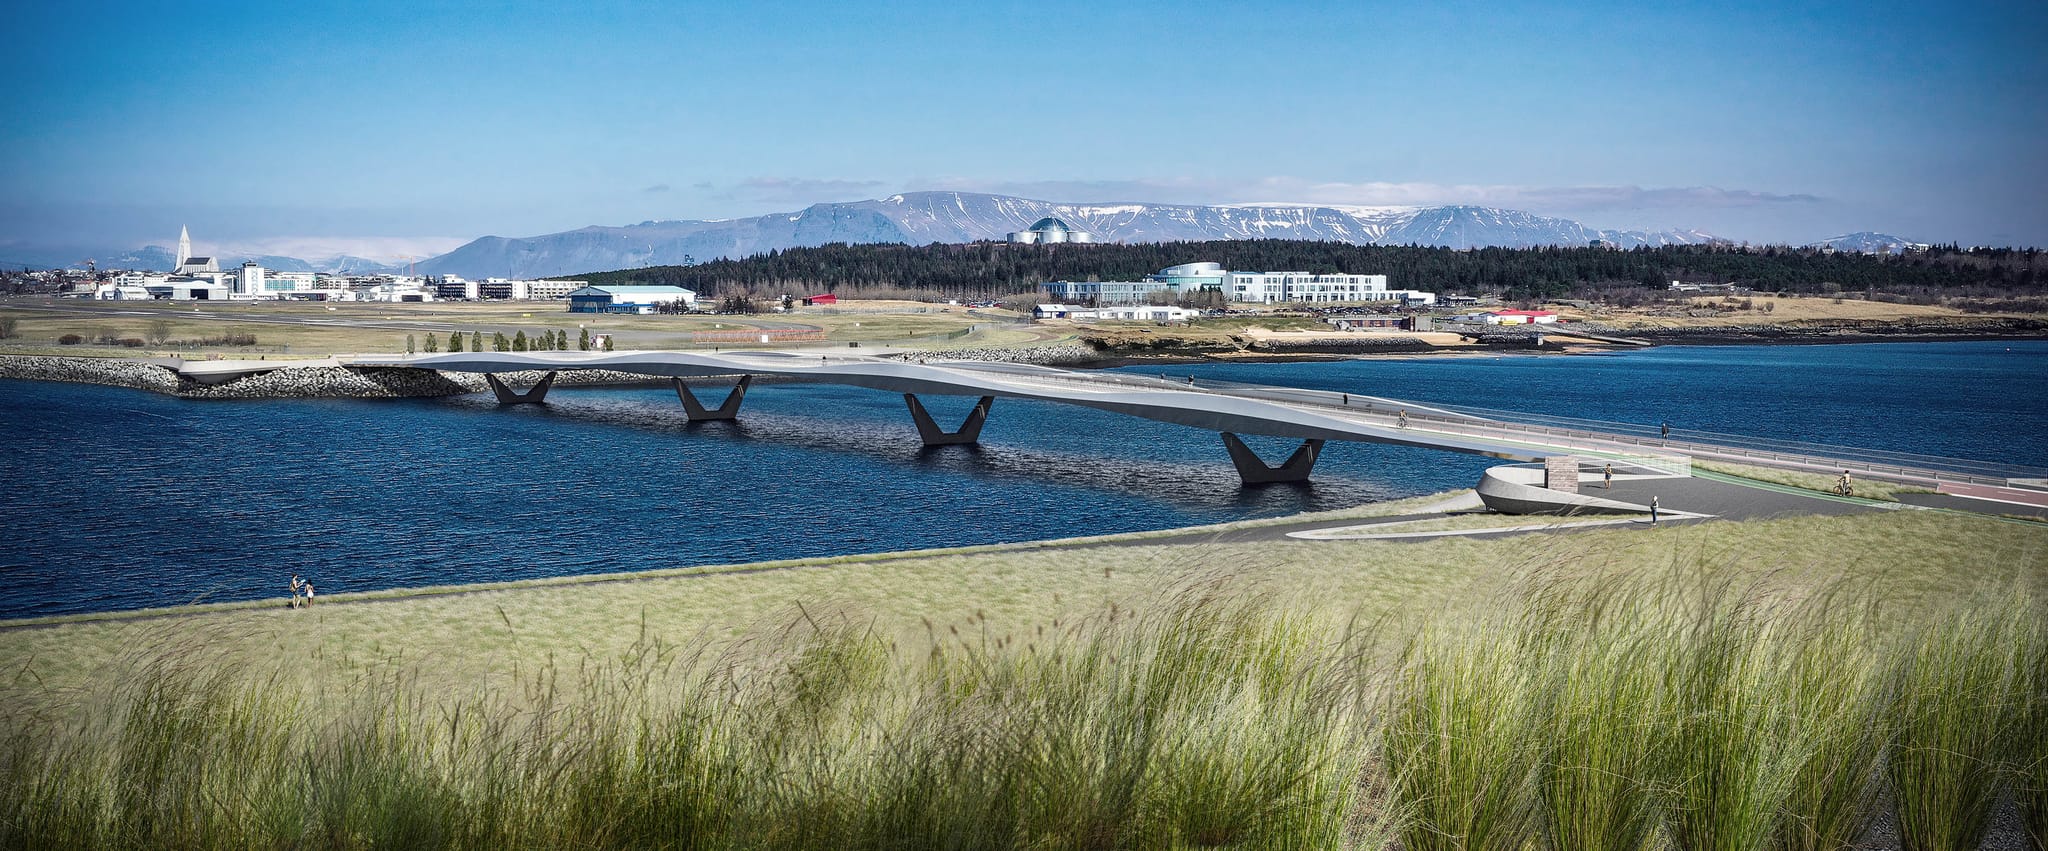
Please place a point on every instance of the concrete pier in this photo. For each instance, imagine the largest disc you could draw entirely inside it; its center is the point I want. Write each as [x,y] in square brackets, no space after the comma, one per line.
[1253,470]
[534,395]
[969,432]
[729,410]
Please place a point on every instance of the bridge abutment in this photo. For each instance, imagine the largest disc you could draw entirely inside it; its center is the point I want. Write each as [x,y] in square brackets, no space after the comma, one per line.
[1253,470]
[730,410]
[969,433]
[534,395]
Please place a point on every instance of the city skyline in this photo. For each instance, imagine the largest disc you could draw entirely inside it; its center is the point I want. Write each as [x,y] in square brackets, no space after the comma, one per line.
[386,130]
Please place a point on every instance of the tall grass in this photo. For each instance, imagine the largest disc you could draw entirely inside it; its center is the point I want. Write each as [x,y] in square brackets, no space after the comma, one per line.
[1962,717]
[1598,650]
[1839,702]
[2031,774]
[1462,742]
[1584,711]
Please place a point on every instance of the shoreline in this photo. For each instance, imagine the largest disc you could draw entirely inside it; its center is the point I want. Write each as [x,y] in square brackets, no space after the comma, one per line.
[1164,536]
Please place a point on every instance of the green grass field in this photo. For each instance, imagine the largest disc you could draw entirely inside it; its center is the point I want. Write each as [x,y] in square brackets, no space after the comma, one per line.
[1556,691]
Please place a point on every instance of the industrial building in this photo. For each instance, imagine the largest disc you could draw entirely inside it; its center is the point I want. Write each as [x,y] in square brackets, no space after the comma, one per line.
[629,299]
[1049,231]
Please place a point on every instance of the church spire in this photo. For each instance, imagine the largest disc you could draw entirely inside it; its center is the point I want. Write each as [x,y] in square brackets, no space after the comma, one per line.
[184,244]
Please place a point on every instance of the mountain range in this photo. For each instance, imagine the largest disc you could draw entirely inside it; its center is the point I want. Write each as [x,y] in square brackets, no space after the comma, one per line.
[919,218]
[157,258]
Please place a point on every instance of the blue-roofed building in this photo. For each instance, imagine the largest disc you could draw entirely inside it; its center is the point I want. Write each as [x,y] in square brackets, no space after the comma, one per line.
[630,299]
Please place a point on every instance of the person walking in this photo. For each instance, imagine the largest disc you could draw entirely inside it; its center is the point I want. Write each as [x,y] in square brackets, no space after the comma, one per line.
[296,590]
[1667,431]
[1608,476]
[1653,511]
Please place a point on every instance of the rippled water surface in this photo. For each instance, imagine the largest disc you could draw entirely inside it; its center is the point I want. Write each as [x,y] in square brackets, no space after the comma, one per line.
[122,499]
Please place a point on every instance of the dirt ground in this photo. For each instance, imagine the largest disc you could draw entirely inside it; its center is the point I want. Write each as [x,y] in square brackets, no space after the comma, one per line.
[1716,311]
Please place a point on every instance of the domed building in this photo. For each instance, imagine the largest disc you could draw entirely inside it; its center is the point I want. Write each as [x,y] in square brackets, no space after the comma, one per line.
[1050,230]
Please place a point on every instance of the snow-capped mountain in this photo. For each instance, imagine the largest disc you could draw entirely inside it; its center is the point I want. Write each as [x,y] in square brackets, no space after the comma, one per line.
[919,218]
[1866,242]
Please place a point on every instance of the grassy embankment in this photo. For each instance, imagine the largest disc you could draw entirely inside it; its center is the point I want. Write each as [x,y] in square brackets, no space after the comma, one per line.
[1725,685]
[279,329]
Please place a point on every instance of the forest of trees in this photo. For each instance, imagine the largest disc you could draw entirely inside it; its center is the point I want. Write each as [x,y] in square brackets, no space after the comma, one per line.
[990,270]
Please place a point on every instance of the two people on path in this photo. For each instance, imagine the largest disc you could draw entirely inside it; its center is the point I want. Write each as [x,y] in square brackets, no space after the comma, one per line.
[302,592]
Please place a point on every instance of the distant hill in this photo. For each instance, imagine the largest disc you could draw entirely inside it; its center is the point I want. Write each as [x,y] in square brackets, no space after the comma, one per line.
[919,218]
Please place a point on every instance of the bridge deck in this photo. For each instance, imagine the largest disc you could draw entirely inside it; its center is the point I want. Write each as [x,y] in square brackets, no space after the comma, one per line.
[1271,411]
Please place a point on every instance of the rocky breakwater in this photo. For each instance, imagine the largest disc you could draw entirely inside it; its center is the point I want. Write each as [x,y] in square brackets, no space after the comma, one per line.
[1060,355]
[290,382]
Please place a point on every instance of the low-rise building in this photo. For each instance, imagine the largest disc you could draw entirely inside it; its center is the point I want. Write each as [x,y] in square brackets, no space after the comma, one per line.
[1129,313]
[502,288]
[629,299]
[1249,287]
[1508,317]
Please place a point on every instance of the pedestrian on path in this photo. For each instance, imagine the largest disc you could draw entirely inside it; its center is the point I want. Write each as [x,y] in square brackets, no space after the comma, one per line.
[1653,511]
[1608,475]
[1667,431]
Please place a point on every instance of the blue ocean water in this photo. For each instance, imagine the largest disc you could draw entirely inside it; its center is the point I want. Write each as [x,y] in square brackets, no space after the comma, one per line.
[121,499]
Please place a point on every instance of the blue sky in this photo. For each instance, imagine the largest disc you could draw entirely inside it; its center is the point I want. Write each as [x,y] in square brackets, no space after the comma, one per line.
[387,128]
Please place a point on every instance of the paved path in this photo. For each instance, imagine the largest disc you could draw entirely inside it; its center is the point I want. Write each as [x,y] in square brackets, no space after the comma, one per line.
[1686,500]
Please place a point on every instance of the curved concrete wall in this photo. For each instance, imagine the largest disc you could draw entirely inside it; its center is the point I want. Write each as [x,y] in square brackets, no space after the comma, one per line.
[1511,489]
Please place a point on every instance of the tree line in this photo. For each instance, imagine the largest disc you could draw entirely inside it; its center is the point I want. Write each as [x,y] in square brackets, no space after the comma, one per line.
[991,270]
[542,341]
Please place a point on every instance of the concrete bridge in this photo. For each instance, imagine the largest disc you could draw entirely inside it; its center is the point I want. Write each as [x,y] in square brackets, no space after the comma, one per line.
[1313,417]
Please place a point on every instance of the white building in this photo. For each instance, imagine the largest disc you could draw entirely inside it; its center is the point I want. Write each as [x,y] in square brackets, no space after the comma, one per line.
[1509,317]
[1130,313]
[403,290]
[1252,287]
[493,288]
[187,288]
[116,290]
[1050,230]
[250,281]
